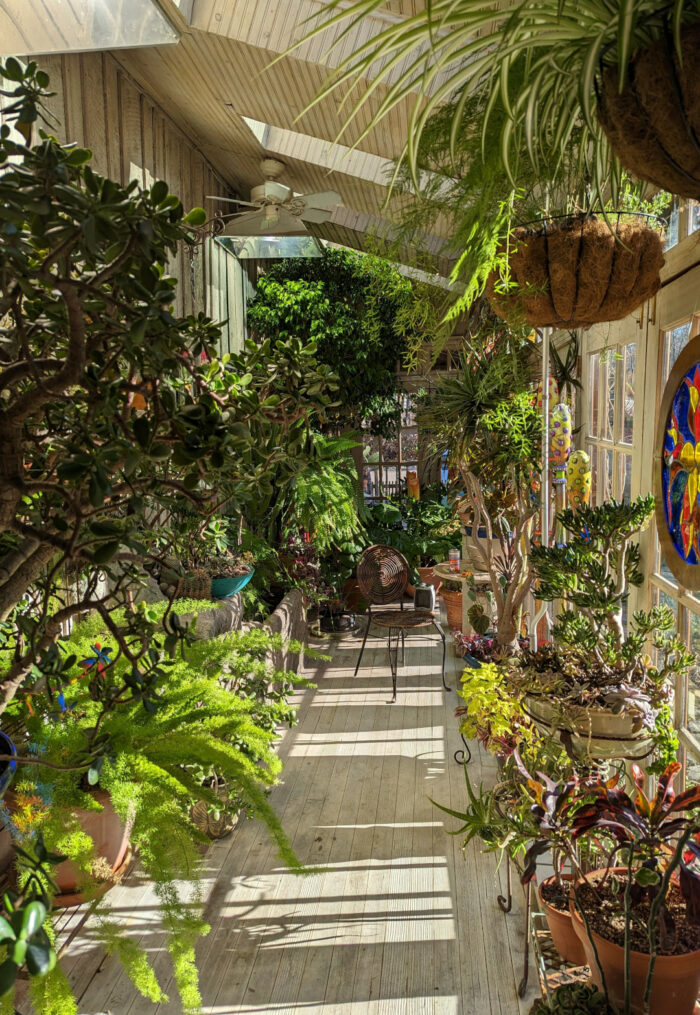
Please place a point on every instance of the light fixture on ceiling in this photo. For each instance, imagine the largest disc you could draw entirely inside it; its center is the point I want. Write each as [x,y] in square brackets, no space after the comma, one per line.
[27,29]
[277,225]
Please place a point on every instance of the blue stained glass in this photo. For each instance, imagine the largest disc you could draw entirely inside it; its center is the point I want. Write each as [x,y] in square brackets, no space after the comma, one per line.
[681,468]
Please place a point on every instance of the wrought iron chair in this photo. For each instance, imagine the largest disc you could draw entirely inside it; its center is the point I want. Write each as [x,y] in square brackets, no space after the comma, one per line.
[382,574]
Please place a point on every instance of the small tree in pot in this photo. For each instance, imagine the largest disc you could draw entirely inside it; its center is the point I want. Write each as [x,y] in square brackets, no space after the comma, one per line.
[596,685]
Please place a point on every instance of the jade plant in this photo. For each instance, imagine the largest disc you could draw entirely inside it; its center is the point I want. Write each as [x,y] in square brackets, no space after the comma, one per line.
[113,412]
[592,660]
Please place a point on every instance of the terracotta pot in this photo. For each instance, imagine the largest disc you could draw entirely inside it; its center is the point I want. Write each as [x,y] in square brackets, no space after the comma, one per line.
[453,608]
[111,840]
[579,271]
[352,596]
[653,125]
[676,982]
[566,940]
[593,732]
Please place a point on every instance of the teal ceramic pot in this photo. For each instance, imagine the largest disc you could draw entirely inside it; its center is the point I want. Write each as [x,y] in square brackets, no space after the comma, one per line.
[222,588]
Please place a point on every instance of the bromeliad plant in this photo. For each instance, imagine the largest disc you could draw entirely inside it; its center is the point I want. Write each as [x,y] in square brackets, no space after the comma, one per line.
[629,899]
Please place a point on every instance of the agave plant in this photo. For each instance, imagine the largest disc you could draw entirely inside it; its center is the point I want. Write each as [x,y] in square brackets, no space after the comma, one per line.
[450,50]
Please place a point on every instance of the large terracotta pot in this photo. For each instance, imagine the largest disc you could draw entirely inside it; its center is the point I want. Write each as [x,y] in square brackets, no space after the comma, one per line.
[453,608]
[654,123]
[579,271]
[111,840]
[566,940]
[591,732]
[676,981]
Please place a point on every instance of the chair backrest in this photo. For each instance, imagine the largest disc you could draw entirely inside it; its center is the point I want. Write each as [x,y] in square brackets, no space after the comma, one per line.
[382,574]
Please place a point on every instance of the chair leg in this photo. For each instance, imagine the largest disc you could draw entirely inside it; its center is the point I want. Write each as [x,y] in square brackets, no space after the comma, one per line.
[444,653]
[403,648]
[393,662]
[364,642]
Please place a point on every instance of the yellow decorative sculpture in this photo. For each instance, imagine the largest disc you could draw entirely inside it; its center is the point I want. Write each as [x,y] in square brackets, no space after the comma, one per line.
[559,440]
[578,479]
[553,392]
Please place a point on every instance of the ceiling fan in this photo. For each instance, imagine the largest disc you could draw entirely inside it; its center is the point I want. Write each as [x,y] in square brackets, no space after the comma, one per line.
[278,209]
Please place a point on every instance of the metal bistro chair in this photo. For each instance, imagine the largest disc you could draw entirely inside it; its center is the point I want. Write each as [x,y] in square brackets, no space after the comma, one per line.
[382,574]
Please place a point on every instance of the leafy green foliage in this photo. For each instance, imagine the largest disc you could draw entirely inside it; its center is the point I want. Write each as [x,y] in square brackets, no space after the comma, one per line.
[534,66]
[362,315]
[215,715]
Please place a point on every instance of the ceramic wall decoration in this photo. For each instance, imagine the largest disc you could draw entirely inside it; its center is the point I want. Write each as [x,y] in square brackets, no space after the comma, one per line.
[677,468]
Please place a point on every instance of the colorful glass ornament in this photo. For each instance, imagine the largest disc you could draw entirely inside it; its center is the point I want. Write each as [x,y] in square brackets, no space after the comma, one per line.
[553,388]
[578,479]
[559,441]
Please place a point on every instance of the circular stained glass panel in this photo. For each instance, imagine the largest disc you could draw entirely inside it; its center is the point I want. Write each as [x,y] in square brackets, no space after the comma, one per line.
[678,468]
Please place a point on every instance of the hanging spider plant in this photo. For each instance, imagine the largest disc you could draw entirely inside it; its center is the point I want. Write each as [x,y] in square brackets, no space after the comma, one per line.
[454,47]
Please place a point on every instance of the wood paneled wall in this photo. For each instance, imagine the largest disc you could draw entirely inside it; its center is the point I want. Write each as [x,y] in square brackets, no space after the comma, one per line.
[98,105]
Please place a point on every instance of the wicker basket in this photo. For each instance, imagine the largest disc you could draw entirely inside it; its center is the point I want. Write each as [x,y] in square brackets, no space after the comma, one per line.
[193,588]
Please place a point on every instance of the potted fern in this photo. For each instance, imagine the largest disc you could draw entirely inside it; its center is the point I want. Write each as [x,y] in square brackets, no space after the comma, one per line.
[121,766]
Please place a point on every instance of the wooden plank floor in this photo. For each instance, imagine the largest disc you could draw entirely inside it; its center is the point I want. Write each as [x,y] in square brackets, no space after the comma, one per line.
[395,920]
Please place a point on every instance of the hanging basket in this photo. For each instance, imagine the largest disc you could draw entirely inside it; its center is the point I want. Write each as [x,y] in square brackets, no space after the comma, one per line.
[654,125]
[575,272]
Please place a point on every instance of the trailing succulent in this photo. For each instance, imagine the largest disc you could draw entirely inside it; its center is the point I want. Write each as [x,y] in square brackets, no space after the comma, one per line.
[573,999]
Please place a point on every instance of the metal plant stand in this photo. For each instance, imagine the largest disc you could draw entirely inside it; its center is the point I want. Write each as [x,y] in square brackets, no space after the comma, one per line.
[463,755]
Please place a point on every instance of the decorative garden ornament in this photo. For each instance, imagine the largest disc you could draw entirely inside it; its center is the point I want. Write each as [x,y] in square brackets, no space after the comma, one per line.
[677,468]
[559,440]
[578,479]
[553,390]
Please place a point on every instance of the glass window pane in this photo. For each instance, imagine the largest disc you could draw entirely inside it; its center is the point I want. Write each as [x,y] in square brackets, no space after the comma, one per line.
[608,414]
[693,216]
[674,343]
[390,481]
[624,478]
[663,569]
[672,230]
[593,455]
[30,27]
[605,478]
[593,395]
[629,358]
[692,696]
[390,449]
[370,482]
[408,415]
[409,444]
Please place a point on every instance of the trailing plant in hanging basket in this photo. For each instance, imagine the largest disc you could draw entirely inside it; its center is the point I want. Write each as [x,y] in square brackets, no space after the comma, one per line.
[573,272]
[653,123]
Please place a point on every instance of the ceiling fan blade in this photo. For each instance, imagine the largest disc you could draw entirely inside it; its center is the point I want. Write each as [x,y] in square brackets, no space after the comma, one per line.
[264,223]
[230,200]
[325,199]
[316,214]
